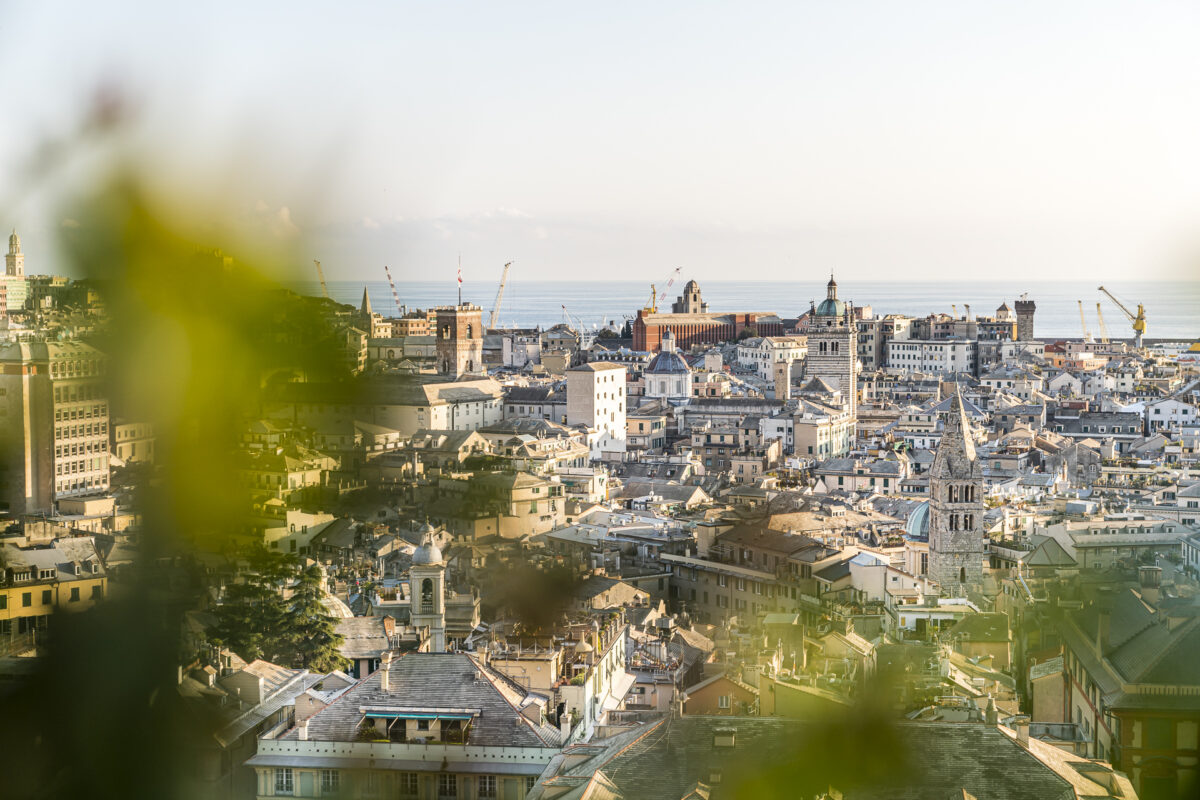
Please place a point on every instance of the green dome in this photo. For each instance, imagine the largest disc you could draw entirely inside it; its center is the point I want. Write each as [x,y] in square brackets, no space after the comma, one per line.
[831,308]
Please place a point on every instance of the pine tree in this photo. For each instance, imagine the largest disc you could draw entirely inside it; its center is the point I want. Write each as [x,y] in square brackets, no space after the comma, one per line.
[311,631]
[252,620]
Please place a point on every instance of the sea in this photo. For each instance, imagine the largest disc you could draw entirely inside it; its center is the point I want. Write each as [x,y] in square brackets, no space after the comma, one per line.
[1172,307]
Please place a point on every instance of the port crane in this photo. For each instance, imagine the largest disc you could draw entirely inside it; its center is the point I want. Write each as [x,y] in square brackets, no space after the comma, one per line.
[1103,327]
[585,339]
[1087,335]
[321,276]
[499,297]
[670,281]
[1138,320]
[395,295]
[652,305]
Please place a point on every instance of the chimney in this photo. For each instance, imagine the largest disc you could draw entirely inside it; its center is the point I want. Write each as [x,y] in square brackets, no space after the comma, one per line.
[990,716]
[302,730]
[1150,579]
[385,680]
[1021,724]
[1103,623]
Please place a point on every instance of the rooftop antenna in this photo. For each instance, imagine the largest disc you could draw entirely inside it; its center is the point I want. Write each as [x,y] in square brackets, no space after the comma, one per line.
[460,278]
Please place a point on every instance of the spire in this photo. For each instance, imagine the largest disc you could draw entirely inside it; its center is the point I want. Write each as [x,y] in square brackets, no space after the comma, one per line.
[366,302]
[831,288]
[956,434]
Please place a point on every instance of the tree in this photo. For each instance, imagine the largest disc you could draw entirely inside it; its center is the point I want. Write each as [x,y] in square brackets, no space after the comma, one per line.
[311,631]
[748,332]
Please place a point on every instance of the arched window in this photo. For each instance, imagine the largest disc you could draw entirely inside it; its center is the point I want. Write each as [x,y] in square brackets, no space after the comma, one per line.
[427,595]
[468,331]
[962,574]
[834,346]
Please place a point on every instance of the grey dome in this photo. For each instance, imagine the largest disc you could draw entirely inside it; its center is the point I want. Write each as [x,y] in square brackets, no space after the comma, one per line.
[667,363]
[428,552]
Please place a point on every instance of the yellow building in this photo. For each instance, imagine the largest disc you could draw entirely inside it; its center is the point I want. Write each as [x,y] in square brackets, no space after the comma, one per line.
[66,575]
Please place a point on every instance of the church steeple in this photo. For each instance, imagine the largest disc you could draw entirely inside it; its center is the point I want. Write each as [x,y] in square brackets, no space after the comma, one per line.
[14,260]
[365,308]
[427,589]
[956,506]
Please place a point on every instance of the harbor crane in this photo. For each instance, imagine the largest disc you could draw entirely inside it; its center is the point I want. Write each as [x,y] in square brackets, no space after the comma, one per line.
[499,297]
[585,340]
[395,295]
[321,276]
[1087,335]
[1138,320]
[670,281]
[1103,327]
[652,305]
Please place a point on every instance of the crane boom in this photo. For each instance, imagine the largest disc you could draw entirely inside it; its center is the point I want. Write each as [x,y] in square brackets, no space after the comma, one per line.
[321,276]
[652,308]
[670,281]
[1087,336]
[1137,321]
[395,294]
[499,297]
[1103,327]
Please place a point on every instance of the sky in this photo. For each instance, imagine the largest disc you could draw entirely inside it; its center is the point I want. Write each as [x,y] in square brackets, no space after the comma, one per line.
[932,141]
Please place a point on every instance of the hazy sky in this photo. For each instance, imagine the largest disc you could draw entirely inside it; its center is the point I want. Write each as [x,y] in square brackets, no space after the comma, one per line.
[934,140]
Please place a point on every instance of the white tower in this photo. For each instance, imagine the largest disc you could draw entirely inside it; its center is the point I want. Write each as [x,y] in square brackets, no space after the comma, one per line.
[427,590]
[14,261]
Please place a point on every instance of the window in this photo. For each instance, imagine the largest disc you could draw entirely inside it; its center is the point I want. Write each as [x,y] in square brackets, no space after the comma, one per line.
[447,785]
[408,784]
[74,594]
[283,780]
[47,596]
[530,782]
[723,701]
[331,780]
[487,786]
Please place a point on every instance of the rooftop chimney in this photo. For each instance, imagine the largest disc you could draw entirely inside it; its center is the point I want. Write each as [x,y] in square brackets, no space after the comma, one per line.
[302,730]
[1103,623]
[1150,579]
[1021,725]
[385,680]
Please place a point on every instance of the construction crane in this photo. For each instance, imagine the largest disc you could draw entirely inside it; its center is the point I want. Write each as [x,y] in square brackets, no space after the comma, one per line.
[652,305]
[395,295]
[967,306]
[499,297]
[585,340]
[1138,320]
[954,308]
[669,282]
[321,276]
[1103,327]
[1087,336]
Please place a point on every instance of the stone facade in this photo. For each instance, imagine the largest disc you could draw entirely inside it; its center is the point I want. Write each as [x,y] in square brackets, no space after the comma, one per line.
[1025,309]
[956,508]
[460,340]
[833,347]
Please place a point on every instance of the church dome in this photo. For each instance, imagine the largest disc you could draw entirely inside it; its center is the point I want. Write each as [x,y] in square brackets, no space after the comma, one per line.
[667,363]
[831,306]
[428,553]
[917,525]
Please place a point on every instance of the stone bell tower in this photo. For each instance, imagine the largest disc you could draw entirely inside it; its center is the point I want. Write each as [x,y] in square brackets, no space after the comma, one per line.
[427,590]
[956,507]
[14,261]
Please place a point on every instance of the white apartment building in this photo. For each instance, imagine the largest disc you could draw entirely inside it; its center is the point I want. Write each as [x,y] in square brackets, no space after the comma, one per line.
[763,353]
[932,355]
[596,398]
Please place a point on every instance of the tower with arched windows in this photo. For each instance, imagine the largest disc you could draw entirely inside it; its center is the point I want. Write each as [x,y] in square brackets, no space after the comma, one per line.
[427,590]
[833,346]
[459,340]
[956,507]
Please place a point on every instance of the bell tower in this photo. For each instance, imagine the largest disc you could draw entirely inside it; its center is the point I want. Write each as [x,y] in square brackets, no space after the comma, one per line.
[956,507]
[14,260]
[427,590]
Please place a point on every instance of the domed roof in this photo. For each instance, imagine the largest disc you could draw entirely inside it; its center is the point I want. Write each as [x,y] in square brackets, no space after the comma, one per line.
[917,524]
[668,363]
[691,286]
[428,552]
[831,308]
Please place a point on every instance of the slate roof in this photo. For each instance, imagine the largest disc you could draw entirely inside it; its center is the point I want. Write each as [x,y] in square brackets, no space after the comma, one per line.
[436,680]
[363,637]
[914,761]
[981,628]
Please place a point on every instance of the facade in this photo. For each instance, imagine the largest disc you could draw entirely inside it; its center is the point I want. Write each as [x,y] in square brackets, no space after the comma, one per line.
[460,340]
[694,324]
[596,398]
[833,346]
[54,423]
[956,507]
[1024,309]
[133,442]
[932,355]
[37,582]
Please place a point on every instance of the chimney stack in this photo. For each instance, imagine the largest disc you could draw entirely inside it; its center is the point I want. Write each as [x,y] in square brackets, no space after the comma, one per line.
[1150,579]
[1103,623]
[302,730]
[1021,724]
[385,680]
